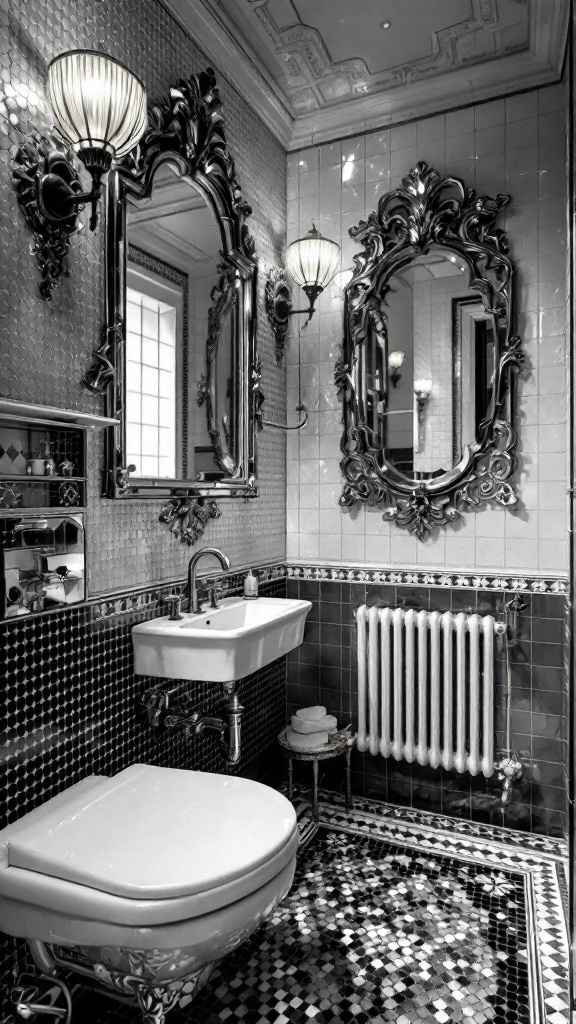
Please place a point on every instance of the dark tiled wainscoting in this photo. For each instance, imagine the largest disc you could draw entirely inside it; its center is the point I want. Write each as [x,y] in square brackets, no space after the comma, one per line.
[72,708]
[323,671]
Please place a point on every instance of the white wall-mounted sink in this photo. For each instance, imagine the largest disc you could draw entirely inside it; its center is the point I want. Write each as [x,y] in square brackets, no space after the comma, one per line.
[222,644]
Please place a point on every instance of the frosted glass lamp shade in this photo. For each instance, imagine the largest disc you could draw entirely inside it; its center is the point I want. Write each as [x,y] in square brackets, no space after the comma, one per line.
[422,387]
[98,105]
[312,260]
[395,359]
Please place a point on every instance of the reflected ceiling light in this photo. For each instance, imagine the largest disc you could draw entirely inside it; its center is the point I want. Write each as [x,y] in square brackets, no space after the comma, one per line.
[395,360]
[99,109]
[385,24]
[348,169]
[311,261]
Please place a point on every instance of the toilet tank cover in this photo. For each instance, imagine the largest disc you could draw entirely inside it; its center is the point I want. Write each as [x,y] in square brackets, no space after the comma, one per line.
[155,833]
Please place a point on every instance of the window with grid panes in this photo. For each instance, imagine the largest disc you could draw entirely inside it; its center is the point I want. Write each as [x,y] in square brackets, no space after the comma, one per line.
[153,327]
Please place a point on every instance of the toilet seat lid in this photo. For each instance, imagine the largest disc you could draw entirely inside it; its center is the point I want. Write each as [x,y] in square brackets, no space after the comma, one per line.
[157,833]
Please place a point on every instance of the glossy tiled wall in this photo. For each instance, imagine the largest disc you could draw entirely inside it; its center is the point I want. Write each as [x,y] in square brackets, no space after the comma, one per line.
[46,347]
[323,671]
[515,146]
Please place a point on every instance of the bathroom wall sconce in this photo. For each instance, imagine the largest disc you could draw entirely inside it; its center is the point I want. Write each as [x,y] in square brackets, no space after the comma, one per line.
[395,360]
[311,261]
[99,109]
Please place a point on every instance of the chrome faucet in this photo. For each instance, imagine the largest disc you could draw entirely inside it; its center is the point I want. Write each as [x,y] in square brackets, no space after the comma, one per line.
[193,602]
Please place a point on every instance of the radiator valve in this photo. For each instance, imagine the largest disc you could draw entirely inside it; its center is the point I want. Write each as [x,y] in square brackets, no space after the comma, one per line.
[509,769]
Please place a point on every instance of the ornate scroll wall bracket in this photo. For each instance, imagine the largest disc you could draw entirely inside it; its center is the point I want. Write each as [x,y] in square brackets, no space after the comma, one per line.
[187,517]
[120,478]
[224,297]
[278,303]
[102,373]
[36,159]
[429,212]
[258,396]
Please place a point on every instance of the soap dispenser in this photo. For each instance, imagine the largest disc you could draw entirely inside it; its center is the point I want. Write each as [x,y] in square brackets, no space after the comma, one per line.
[250,586]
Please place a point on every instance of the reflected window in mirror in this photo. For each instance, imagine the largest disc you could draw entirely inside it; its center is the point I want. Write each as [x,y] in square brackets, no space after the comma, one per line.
[154,357]
[172,271]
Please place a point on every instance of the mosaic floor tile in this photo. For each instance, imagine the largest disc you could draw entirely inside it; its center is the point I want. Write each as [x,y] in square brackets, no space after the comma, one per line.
[394,920]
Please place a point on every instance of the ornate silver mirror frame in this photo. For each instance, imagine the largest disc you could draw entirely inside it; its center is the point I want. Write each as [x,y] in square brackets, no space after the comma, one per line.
[429,212]
[187,130]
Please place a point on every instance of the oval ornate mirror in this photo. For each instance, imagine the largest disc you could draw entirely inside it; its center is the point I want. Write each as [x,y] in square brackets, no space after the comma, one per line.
[427,374]
[178,363]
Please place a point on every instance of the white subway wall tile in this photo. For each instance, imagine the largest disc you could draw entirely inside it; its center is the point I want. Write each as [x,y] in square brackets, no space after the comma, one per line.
[513,146]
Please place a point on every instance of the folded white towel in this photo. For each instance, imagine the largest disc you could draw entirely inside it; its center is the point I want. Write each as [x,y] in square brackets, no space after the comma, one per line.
[314,741]
[311,714]
[326,724]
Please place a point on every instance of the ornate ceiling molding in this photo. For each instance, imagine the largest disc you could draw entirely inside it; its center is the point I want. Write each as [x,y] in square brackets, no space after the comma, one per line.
[313,81]
[235,59]
[419,99]
[315,99]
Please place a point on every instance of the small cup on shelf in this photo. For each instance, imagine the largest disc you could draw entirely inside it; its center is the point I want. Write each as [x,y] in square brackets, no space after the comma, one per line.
[35,467]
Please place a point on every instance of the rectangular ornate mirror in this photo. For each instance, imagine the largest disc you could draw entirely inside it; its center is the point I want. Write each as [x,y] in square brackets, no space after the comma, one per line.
[178,363]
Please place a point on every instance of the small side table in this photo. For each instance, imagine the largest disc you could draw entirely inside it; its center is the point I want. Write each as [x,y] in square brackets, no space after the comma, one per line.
[339,743]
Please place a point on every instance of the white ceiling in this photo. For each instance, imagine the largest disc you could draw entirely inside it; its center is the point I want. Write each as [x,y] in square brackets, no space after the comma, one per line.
[320,69]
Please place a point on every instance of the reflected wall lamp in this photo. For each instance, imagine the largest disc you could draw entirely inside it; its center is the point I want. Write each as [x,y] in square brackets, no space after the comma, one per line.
[99,109]
[395,360]
[311,261]
[422,389]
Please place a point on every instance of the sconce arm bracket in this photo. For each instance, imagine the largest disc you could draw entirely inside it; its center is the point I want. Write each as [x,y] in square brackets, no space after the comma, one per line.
[47,186]
[279,308]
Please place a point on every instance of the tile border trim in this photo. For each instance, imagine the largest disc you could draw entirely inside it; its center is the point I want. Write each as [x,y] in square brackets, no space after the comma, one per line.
[432,821]
[135,599]
[459,578]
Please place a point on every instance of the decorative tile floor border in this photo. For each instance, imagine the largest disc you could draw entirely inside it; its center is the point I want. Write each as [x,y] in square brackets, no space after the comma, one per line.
[400,577]
[539,859]
[543,845]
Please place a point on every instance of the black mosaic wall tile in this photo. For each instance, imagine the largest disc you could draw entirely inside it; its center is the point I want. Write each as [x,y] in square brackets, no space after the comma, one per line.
[72,708]
[47,346]
[323,671]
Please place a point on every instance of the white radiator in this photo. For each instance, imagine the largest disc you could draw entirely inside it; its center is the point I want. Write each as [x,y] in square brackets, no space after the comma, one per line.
[426,687]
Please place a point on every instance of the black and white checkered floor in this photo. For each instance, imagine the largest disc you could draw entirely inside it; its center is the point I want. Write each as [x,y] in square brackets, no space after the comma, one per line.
[400,916]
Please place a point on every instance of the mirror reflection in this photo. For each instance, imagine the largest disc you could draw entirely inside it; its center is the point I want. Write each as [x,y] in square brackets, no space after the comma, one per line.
[179,411]
[42,565]
[428,371]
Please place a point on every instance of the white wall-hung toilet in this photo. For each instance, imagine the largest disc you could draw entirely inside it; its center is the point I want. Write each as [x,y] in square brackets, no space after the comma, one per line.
[143,880]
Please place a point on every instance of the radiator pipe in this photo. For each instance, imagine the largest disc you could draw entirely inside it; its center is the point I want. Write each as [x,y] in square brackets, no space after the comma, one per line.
[510,768]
